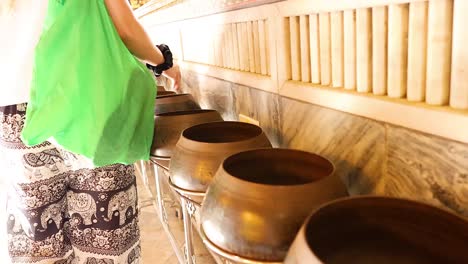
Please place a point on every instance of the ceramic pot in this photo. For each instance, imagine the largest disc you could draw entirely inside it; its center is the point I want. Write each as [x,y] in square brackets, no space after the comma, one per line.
[371,229]
[164,93]
[259,199]
[176,102]
[169,126]
[201,149]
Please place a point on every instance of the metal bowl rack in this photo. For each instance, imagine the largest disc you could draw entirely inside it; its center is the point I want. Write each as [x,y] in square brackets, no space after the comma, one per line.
[190,216]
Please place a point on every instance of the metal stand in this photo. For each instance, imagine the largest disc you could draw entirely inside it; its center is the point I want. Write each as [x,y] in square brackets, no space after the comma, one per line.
[189,208]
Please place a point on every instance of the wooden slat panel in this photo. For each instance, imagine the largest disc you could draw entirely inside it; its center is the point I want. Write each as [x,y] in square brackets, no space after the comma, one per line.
[314,48]
[295,48]
[459,80]
[256,41]
[417,43]
[325,48]
[349,22]
[251,47]
[397,50]
[263,49]
[305,48]
[337,57]
[364,50]
[379,50]
[439,52]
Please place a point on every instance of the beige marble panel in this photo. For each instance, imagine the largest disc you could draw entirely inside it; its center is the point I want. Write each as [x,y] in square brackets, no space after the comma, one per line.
[354,144]
[261,106]
[426,168]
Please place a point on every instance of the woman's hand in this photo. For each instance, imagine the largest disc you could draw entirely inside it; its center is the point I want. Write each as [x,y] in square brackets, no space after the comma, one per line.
[175,76]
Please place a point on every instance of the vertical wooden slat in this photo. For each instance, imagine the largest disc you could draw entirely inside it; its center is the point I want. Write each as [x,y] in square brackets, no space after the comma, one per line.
[240,43]
[256,41]
[364,49]
[314,48]
[267,46]
[216,48]
[232,52]
[439,52]
[459,80]
[305,52]
[263,50]
[337,57]
[295,48]
[285,57]
[397,50]
[229,51]
[349,22]
[417,43]
[251,47]
[325,46]
[235,45]
[225,47]
[220,46]
[379,50]
[245,45]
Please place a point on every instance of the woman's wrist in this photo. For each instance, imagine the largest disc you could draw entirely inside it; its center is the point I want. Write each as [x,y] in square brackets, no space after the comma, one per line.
[168,60]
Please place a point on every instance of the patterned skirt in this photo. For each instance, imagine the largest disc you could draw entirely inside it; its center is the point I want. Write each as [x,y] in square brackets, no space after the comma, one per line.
[61,209]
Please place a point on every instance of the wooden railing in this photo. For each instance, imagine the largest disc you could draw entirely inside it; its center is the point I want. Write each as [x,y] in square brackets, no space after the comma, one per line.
[397,61]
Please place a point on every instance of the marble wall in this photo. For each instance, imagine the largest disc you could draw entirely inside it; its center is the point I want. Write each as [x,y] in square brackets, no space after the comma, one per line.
[370,157]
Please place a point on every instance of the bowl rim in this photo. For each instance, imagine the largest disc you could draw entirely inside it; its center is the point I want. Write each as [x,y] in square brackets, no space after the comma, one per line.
[185,113]
[229,181]
[394,200]
[234,156]
[213,147]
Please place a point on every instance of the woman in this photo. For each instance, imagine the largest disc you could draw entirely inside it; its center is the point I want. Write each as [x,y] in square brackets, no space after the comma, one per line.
[60,208]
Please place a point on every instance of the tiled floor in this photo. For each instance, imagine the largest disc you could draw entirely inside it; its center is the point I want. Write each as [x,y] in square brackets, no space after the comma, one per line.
[154,242]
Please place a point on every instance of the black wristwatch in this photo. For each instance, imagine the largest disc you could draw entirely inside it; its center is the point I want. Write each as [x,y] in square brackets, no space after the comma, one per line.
[167,64]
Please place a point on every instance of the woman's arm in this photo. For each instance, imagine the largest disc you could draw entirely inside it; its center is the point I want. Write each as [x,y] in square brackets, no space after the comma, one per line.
[132,33]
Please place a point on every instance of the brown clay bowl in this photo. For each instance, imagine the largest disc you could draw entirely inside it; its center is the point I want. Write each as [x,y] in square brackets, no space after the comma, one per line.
[201,149]
[174,103]
[259,199]
[372,229]
[169,126]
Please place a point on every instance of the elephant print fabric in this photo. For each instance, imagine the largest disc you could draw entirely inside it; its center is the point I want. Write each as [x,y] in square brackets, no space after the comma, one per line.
[61,209]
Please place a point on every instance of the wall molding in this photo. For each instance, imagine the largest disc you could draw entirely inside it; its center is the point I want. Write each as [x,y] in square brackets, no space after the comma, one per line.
[441,121]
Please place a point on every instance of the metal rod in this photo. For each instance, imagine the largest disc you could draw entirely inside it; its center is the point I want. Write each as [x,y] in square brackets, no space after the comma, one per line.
[187,233]
[144,174]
